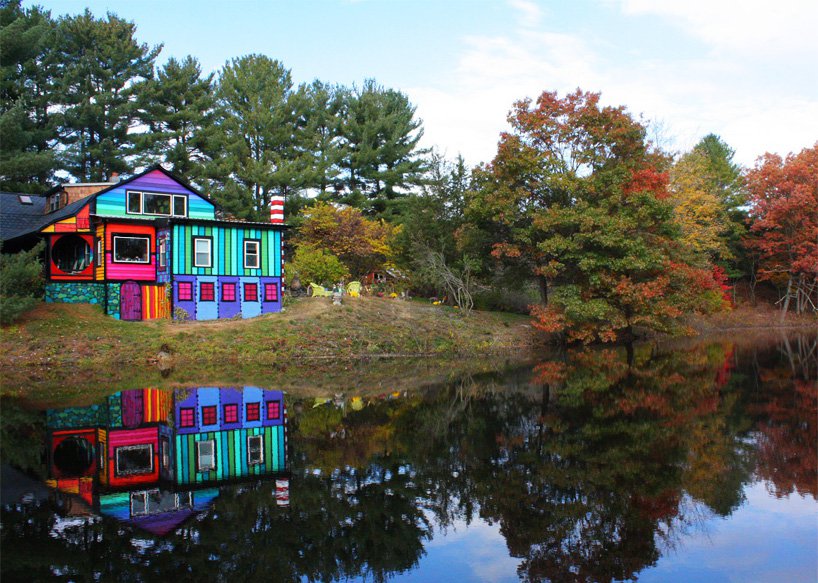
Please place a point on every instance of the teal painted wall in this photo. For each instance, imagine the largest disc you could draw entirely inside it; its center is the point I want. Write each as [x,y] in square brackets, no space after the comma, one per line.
[113,299]
[75,292]
[228,250]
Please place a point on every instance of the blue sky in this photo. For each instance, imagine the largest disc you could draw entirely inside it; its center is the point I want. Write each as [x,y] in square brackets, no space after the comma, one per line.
[747,71]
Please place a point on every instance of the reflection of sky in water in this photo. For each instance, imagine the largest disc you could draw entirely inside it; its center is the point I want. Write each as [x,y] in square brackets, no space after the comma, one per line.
[766,539]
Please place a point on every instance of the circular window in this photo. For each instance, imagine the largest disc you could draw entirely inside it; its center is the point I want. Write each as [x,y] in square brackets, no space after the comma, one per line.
[73,456]
[71,254]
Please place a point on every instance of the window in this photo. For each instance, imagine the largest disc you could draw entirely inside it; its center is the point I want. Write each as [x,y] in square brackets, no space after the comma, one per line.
[207,291]
[163,248]
[71,254]
[253,411]
[99,254]
[54,202]
[150,203]
[270,292]
[273,409]
[205,454]
[250,292]
[134,459]
[164,448]
[132,249]
[134,203]
[139,503]
[251,258]
[202,252]
[187,417]
[228,292]
[209,415]
[255,449]
[185,293]
[231,413]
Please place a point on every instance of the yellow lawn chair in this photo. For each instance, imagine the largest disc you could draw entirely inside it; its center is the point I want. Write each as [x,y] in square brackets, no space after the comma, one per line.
[354,289]
[318,291]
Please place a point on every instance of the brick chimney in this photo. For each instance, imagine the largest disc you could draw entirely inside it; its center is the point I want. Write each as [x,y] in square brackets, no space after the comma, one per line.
[277,210]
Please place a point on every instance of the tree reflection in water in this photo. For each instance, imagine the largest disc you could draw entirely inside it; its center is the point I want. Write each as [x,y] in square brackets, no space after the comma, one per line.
[592,466]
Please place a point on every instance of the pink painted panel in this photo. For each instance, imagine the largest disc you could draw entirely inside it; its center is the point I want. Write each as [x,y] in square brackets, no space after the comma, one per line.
[134,271]
[132,437]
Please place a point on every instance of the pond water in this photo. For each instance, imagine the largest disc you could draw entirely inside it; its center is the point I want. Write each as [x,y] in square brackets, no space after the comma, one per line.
[690,462]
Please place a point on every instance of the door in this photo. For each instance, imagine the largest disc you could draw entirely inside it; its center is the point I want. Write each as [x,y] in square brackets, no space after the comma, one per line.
[131,301]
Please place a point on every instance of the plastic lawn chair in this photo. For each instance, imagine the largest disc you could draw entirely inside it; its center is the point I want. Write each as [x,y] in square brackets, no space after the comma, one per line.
[354,289]
[318,291]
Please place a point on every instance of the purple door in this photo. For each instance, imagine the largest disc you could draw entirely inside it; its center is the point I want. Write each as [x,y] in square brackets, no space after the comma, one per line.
[131,301]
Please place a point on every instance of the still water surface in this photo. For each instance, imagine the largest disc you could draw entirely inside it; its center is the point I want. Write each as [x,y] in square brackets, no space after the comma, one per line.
[688,463]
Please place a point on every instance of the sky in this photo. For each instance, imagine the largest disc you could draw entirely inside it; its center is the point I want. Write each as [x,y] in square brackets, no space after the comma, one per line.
[747,71]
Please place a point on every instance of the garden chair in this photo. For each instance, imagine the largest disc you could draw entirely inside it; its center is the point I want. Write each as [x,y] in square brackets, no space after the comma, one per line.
[318,291]
[354,289]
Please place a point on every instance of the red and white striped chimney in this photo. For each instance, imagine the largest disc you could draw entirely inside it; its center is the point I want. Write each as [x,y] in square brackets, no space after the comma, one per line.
[277,210]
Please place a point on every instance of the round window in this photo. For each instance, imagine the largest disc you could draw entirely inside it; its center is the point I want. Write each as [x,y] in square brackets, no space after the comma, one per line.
[71,254]
[73,456]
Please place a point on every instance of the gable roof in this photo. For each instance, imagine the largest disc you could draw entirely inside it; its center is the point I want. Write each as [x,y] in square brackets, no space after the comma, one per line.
[18,219]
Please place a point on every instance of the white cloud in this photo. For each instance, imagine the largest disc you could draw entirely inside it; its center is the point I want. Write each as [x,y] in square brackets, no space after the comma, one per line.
[530,13]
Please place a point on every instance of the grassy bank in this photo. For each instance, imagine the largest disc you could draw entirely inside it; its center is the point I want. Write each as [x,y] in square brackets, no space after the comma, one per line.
[61,348]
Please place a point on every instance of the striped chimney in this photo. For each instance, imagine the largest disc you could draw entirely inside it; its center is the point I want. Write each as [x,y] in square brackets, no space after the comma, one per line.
[277,210]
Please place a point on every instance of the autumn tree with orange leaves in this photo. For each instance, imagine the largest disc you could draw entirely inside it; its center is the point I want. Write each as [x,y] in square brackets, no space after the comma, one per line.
[577,198]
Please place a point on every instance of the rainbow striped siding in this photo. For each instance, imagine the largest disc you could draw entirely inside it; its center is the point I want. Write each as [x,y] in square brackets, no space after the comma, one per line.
[114,202]
[155,302]
[230,454]
[228,250]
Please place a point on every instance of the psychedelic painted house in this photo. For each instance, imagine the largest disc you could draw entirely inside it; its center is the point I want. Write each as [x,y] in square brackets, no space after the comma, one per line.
[151,247]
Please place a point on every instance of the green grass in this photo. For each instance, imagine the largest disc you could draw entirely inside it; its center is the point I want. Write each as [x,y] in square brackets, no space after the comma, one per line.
[61,351]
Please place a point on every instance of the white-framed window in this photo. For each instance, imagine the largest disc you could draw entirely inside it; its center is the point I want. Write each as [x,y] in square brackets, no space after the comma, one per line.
[54,202]
[99,259]
[251,254]
[202,252]
[132,249]
[156,203]
[164,448]
[163,248]
[206,455]
[255,449]
[134,459]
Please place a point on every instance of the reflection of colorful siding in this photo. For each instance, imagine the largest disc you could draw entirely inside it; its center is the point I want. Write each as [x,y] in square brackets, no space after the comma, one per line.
[125,271]
[230,454]
[75,417]
[228,250]
[209,396]
[113,202]
[57,437]
[127,437]
[119,506]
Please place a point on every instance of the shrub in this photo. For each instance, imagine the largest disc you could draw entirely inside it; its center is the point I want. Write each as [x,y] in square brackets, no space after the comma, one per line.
[315,265]
[21,283]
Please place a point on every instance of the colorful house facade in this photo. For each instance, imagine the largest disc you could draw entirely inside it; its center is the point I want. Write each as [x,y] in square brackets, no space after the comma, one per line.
[153,247]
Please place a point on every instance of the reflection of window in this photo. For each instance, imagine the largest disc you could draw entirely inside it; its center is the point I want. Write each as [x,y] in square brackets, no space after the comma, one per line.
[187,417]
[253,411]
[205,454]
[131,249]
[185,291]
[164,448]
[250,292]
[251,260]
[207,291]
[134,459]
[255,449]
[270,292]
[228,292]
[273,409]
[209,415]
[231,413]
[202,252]
[71,254]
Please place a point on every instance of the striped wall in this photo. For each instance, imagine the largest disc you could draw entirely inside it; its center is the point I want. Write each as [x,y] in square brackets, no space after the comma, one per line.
[155,302]
[230,454]
[114,202]
[228,250]
[132,271]
[99,273]
[126,437]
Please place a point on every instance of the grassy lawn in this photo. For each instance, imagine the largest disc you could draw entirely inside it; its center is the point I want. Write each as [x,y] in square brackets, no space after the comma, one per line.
[61,351]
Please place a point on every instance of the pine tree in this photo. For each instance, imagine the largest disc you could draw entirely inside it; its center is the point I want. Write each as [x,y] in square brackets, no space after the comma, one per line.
[103,69]
[27,122]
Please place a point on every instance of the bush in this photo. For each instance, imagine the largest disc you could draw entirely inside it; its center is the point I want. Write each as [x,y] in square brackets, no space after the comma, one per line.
[21,283]
[315,265]
[506,300]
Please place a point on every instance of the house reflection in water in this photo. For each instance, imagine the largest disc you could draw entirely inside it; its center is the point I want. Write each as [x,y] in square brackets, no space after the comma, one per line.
[153,458]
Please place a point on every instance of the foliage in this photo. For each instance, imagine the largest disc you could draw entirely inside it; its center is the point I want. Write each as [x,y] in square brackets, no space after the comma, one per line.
[363,245]
[315,265]
[21,283]
[784,199]
[457,279]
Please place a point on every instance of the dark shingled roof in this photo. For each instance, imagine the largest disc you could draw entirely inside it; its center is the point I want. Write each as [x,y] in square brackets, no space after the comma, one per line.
[18,219]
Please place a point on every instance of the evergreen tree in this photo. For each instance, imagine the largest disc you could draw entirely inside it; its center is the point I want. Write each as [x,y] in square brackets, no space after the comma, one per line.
[103,69]
[177,106]
[256,122]
[320,106]
[27,122]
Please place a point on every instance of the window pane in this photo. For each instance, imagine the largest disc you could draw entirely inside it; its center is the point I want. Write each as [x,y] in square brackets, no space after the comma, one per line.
[251,254]
[202,253]
[71,254]
[135,202]
[255,449]
[134,459]
[131,249]
[179,206]
[205,454]
[156,204]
